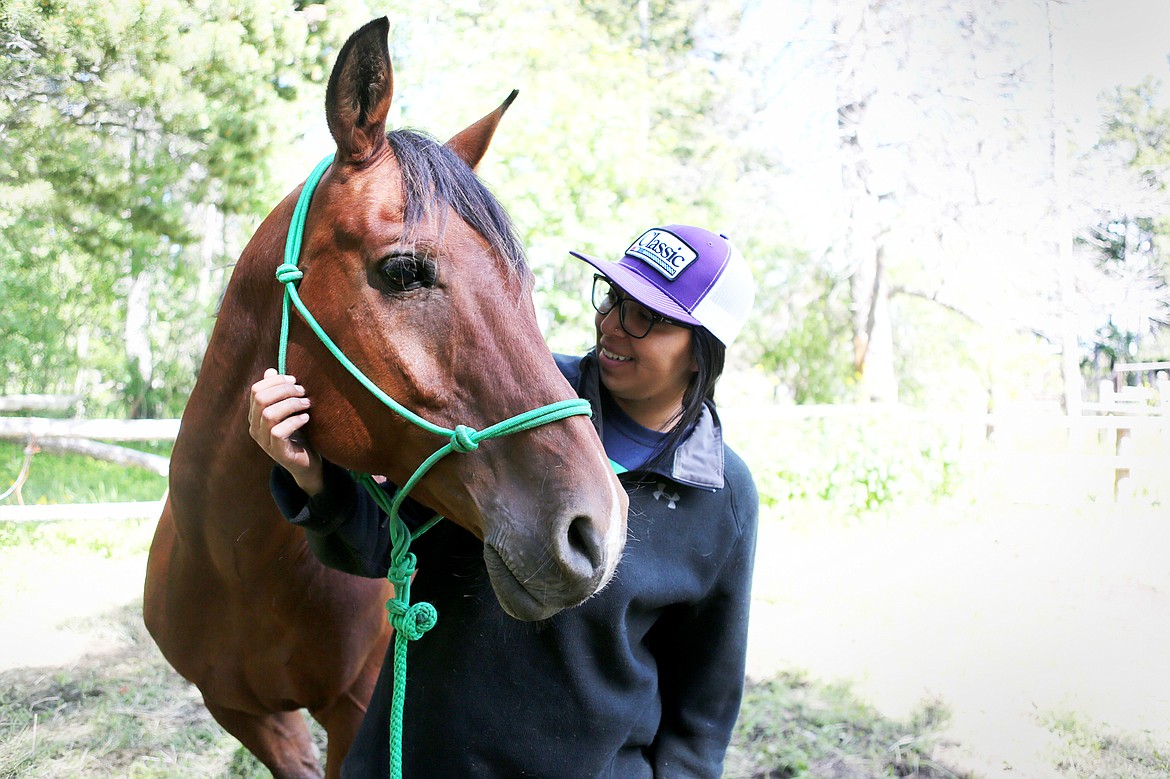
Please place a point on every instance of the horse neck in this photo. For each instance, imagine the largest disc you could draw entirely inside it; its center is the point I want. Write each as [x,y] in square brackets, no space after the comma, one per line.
[245,338]
[243,343]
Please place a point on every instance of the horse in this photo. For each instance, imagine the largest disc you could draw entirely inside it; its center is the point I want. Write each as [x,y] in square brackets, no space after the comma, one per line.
[414,270]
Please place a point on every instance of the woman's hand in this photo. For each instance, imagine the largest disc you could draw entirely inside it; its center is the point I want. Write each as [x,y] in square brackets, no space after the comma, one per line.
[277,411]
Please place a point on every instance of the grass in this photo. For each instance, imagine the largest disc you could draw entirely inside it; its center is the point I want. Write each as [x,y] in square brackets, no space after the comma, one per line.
[1091,750]
[74,478]
[125,714]
[790,728]
[35,556]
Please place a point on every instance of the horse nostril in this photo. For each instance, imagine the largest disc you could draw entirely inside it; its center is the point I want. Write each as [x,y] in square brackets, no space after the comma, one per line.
[585,550]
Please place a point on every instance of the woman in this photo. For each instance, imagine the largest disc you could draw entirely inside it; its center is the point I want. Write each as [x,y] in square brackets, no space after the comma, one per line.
[645,678]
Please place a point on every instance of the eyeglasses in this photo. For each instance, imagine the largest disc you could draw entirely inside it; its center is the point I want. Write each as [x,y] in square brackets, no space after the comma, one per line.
[635,318]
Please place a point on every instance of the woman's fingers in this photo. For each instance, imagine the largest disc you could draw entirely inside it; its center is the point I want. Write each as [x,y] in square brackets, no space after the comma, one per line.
[275,400]
[269,391]
[275,413]
[283,430]
[277,410]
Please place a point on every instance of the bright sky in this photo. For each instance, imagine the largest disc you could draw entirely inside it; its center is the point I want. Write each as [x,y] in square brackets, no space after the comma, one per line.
[1116,42]
[1099,43]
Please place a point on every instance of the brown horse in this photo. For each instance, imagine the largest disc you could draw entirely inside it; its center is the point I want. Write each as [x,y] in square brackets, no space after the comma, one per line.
[413,269]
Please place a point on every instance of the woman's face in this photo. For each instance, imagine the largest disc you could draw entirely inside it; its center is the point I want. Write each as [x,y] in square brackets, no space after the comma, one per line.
[646,376]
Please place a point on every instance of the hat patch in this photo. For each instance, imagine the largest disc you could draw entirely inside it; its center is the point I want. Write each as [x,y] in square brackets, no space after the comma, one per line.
[665,252]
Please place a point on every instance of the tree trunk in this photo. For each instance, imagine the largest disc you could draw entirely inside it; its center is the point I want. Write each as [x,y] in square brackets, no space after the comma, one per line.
[873,336]
[873,339]
[1062,224]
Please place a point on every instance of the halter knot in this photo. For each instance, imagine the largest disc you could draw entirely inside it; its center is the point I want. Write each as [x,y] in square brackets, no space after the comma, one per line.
[286,272]
[400,573]
[462,440]
[414,621]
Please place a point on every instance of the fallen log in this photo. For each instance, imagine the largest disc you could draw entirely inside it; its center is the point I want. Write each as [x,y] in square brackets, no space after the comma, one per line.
[113,453]
[104,429]
[38,402]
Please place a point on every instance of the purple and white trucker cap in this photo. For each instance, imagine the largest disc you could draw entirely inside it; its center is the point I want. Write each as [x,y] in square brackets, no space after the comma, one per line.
[686,273]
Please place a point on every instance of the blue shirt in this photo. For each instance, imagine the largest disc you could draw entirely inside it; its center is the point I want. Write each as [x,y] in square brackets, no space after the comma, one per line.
[626,442]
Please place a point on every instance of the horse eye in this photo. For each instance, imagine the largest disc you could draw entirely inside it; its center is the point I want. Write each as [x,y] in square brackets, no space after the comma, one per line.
[407,272]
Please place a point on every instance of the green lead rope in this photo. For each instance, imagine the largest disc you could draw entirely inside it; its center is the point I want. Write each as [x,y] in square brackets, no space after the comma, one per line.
[409,622]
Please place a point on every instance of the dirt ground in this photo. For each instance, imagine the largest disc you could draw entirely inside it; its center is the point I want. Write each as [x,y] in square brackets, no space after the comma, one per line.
[1010,620]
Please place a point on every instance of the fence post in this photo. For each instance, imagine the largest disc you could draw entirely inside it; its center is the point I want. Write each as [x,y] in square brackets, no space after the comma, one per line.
[1108,401]
[1123,451]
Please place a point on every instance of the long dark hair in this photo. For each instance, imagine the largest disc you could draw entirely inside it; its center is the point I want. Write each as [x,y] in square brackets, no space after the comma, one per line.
[709,354]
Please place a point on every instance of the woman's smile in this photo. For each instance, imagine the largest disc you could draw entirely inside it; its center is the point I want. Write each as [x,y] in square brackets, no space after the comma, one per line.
[607,354]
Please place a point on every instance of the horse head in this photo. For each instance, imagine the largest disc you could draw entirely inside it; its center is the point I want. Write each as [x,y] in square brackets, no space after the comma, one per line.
[414,270]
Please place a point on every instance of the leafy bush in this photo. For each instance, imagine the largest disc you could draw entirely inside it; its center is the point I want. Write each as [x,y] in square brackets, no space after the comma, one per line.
[857,462]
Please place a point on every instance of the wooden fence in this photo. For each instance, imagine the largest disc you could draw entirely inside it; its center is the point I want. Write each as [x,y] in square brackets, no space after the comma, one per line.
[80,436]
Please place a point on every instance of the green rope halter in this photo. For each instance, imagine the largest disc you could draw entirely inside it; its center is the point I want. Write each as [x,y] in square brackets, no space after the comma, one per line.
[409,622]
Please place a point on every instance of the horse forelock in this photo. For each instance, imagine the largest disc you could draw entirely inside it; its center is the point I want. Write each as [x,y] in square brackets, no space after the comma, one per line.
[434,178]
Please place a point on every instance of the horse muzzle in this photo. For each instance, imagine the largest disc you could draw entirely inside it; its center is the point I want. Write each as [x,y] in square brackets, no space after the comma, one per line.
[535,578]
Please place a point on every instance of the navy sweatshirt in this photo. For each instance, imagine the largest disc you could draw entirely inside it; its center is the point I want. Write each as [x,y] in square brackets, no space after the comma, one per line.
[642,680]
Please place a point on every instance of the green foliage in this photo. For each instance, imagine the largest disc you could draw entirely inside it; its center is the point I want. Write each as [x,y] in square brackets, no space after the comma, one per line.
[618,126]
[855,462]
[141,142]
[124,123]
[951,362]
[1130,239]
[799,331]
[790,727]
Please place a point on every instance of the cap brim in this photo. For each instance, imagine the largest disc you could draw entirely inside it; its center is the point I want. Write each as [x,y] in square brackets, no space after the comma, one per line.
[641,290]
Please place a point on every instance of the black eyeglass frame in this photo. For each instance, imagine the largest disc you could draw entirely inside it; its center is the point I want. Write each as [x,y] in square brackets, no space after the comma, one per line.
[610,292]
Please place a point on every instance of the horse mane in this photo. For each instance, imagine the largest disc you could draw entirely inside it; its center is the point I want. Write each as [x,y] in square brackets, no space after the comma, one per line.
[434,177]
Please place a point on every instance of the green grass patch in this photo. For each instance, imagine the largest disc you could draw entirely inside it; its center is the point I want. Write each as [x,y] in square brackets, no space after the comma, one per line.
[34,553]
[75,478]
[107,539]
[1089,750]
[792,728]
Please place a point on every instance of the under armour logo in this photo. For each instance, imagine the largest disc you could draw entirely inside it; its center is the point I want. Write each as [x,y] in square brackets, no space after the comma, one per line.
[661,493]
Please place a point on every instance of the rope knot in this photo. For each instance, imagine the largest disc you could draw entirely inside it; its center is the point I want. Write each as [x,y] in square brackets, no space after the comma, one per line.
[412,622]
[462,440]
[286,272]
[400,573]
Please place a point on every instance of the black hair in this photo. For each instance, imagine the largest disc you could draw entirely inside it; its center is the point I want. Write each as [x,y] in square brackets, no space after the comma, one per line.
[709,354]
[434,176]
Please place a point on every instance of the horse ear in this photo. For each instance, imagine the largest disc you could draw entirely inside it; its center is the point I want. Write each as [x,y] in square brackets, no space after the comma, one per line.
[359,93]
[471,143]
